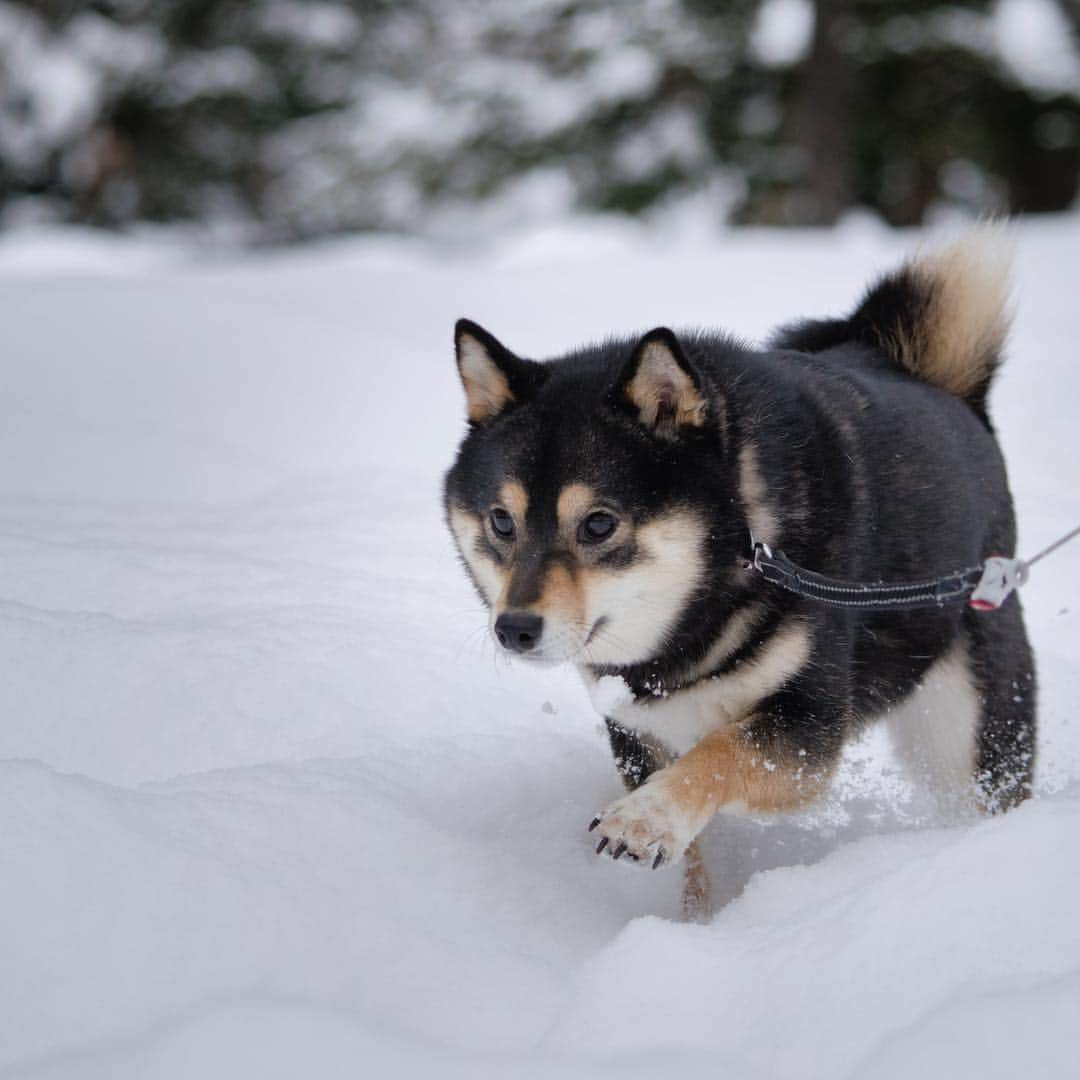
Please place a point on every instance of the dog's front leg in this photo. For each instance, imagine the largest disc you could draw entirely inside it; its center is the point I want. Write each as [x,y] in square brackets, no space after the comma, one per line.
[756,766]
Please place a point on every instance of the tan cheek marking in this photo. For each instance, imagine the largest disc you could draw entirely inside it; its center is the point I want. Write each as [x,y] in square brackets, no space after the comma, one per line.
[726,768]
[643,600]
[514,497]
[467,530]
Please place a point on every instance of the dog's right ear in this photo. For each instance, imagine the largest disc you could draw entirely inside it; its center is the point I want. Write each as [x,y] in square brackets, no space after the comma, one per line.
[493,377]
[661,388]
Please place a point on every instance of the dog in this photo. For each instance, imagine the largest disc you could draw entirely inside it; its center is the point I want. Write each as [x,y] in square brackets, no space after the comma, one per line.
[606,505]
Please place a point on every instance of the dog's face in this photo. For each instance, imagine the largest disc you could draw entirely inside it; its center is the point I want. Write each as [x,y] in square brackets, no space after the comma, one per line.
[577,501]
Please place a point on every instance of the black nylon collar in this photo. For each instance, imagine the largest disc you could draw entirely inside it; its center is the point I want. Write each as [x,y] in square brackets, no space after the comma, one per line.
[778,569]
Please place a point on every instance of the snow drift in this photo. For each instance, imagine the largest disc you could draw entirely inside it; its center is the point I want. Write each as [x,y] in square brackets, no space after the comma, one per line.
[271,806]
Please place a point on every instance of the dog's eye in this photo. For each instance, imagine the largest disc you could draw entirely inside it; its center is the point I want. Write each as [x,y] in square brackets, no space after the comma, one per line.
[502,524]
[599,525]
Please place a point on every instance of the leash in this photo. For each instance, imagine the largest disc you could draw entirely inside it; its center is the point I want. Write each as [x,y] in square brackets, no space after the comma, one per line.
[986,586]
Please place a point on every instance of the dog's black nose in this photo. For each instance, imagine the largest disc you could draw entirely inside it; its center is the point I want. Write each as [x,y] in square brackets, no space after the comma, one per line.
[519,631]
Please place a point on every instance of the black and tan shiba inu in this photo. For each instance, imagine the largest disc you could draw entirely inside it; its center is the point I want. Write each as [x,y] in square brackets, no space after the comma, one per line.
[603,504]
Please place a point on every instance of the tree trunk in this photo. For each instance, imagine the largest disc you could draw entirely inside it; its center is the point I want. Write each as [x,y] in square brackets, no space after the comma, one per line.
[821,119]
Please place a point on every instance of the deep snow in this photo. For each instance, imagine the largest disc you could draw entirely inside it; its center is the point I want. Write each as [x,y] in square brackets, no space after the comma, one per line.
[270,805]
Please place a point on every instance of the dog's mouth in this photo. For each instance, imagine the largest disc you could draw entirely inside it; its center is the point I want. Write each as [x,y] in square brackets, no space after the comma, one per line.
[561,650]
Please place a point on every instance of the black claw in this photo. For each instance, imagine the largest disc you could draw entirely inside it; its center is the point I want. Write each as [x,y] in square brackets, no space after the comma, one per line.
[603,844]
[594,823]
[659,859]
[619,850]
[631,855]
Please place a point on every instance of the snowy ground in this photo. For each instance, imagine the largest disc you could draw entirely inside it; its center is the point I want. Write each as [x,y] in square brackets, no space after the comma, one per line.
[271,807]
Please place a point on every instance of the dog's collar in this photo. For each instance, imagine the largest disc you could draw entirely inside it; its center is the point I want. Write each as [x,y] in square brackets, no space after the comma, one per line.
[986,586]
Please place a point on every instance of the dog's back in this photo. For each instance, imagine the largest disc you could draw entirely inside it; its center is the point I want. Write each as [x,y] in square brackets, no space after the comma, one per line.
[915,486]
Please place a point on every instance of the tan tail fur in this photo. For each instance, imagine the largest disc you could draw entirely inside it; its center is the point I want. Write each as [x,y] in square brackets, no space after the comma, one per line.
[956,343]
[945,315]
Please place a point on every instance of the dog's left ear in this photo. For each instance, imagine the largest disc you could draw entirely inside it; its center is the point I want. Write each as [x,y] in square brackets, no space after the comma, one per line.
[660,386]
[493,377]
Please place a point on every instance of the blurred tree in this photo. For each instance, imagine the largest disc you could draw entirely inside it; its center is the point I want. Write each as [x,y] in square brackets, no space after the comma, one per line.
[302,117]
[901,105]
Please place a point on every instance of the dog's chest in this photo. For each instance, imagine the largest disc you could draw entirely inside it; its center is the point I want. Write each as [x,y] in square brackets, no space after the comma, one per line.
[676,719]
[679,719]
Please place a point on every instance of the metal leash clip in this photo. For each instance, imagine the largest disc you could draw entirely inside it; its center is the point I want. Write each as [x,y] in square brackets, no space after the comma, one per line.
[1001,577]
[758,548]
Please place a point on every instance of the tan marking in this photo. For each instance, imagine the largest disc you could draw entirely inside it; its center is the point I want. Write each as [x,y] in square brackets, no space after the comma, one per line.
[643,601]
[659,380]
[697,888]
[487,391]
[956,343]
[680,530]
[760,516]
[726,769]
[685,717]
[733,637]
[575,500]
[491,579]
[721,767]
[513,497]
[562,596]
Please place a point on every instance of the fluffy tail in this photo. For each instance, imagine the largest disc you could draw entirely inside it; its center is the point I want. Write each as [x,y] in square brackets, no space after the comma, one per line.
[943,316]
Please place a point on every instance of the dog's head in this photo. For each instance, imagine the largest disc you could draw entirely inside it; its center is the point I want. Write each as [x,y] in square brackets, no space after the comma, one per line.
[587,497]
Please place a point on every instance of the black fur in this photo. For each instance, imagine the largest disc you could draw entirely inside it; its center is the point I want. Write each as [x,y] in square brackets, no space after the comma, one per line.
[893,308]
[635,759]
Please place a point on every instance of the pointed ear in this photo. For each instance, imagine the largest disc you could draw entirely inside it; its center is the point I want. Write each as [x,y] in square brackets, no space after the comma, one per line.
[660,386]
[492,375]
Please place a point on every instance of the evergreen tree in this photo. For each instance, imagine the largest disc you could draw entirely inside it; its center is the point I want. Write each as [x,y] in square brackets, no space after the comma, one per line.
[303,117]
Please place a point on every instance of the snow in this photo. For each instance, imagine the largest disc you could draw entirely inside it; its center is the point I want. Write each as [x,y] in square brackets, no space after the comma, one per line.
[49,90]
[609,693]
[783,32]
[323,25]
[270,805]
[1037,45]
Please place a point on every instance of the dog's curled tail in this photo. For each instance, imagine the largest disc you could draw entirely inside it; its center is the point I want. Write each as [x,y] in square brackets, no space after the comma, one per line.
[944,315]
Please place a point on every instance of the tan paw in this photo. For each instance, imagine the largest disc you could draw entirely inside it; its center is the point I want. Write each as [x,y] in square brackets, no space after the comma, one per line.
[646,826]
